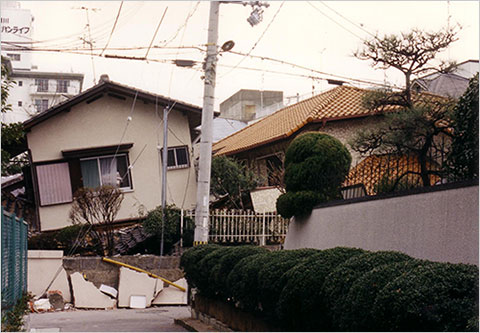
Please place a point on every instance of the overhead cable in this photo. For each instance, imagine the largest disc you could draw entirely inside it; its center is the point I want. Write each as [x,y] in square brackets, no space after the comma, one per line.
[113,28]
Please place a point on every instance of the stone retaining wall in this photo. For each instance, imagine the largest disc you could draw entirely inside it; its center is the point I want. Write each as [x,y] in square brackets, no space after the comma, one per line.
[100,272]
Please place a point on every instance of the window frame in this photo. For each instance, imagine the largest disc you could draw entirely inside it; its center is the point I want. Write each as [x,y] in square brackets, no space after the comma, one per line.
[42,101]
[123,189]
[176,166]
[63,84]
[42,85]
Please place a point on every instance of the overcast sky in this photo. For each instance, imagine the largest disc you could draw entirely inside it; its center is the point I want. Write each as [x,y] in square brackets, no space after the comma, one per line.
[318,35]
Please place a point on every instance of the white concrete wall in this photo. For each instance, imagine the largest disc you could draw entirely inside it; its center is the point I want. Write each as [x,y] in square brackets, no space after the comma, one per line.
[101,123]
[438,226]
[42,267]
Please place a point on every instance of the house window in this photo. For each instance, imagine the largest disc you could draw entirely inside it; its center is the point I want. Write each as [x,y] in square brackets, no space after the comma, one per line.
[270,168]
[177,158]
[19,103]
[62,86]
[41,105]
[106,170]
[54,183]
[42,85]
[20,83]
[14,56]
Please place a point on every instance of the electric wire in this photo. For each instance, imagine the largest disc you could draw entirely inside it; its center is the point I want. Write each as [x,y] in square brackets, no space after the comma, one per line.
[345,18]
[113,28]
[183,25]
[331,19]
[156,31]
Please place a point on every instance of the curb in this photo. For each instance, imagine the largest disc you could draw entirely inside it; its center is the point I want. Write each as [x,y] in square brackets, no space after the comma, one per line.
[195,325]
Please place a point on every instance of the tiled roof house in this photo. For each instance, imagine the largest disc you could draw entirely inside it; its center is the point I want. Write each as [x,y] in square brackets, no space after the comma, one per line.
[339,112]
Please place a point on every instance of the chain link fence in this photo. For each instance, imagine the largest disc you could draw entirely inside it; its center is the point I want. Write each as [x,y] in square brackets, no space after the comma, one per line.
[14,258]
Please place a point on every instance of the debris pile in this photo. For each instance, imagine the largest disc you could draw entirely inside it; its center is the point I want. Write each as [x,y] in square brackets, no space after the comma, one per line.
[136,289]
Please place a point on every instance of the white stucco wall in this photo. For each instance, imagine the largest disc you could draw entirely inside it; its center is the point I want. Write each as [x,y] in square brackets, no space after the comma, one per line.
[42,268]
[101,123]
[438,226]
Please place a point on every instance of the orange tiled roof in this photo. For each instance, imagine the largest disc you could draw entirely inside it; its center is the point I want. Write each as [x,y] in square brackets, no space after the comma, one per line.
[339,102]
[377,168]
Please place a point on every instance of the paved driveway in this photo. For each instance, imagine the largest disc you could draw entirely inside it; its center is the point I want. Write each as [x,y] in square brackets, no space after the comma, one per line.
[153,319]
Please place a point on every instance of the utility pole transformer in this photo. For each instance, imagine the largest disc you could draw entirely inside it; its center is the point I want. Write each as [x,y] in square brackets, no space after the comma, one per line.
[205,163]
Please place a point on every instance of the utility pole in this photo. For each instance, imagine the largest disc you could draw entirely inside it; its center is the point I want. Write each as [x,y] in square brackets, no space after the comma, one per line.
[205,163]
[164,172]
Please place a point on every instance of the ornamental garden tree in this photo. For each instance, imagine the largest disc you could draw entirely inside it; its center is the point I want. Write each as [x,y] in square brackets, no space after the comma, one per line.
[315,166]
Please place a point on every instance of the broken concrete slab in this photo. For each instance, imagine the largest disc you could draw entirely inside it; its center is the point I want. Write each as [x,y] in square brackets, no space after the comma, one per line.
[110,291]
[138,302]
[136,283]
[87,296]
[173,296]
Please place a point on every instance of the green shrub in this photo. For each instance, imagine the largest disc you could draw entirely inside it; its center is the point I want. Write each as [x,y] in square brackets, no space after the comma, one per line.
[171,230]
[300,306]
[190,259]
[315,166]
[337,284]
[204,268]
[242,282]
[358,315]
[271,276]
[433,297]
[299,204]
[221,271]
[71,239]
[13,320]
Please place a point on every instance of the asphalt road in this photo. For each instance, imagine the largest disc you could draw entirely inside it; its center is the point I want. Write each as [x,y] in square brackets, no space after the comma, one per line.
[153,319]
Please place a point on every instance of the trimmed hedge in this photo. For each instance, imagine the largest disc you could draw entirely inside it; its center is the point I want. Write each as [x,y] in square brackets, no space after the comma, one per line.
[338,289]
[358,315]
[272,279]
[432,297]
[220,272]
[301,305]
[337,284]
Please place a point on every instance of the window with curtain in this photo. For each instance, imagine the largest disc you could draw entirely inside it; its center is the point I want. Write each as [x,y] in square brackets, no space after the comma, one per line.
[106,170]
[54,183]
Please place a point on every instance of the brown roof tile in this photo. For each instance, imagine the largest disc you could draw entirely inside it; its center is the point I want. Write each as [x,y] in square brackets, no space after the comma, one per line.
[342,102]
[336,103]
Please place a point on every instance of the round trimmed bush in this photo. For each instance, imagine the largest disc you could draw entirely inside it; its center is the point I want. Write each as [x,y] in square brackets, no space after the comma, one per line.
[337,284]
[271,276]
[315,166]
[358,314]
[433,297]
[227,262]
[300,306]
[190,259]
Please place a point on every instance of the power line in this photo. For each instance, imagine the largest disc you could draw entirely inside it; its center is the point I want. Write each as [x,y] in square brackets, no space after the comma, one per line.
[259,39]
[156,31]
[183,25]
[316,8]
[113,28]
[339,14]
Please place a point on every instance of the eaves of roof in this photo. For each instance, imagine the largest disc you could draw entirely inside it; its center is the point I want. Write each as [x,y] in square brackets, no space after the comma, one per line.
[113,89]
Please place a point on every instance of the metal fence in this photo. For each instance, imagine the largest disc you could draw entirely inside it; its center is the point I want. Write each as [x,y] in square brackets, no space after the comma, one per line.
[14,258]
[245,226]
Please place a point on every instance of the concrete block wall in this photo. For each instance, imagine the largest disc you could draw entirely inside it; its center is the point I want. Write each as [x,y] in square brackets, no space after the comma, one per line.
[440,225]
